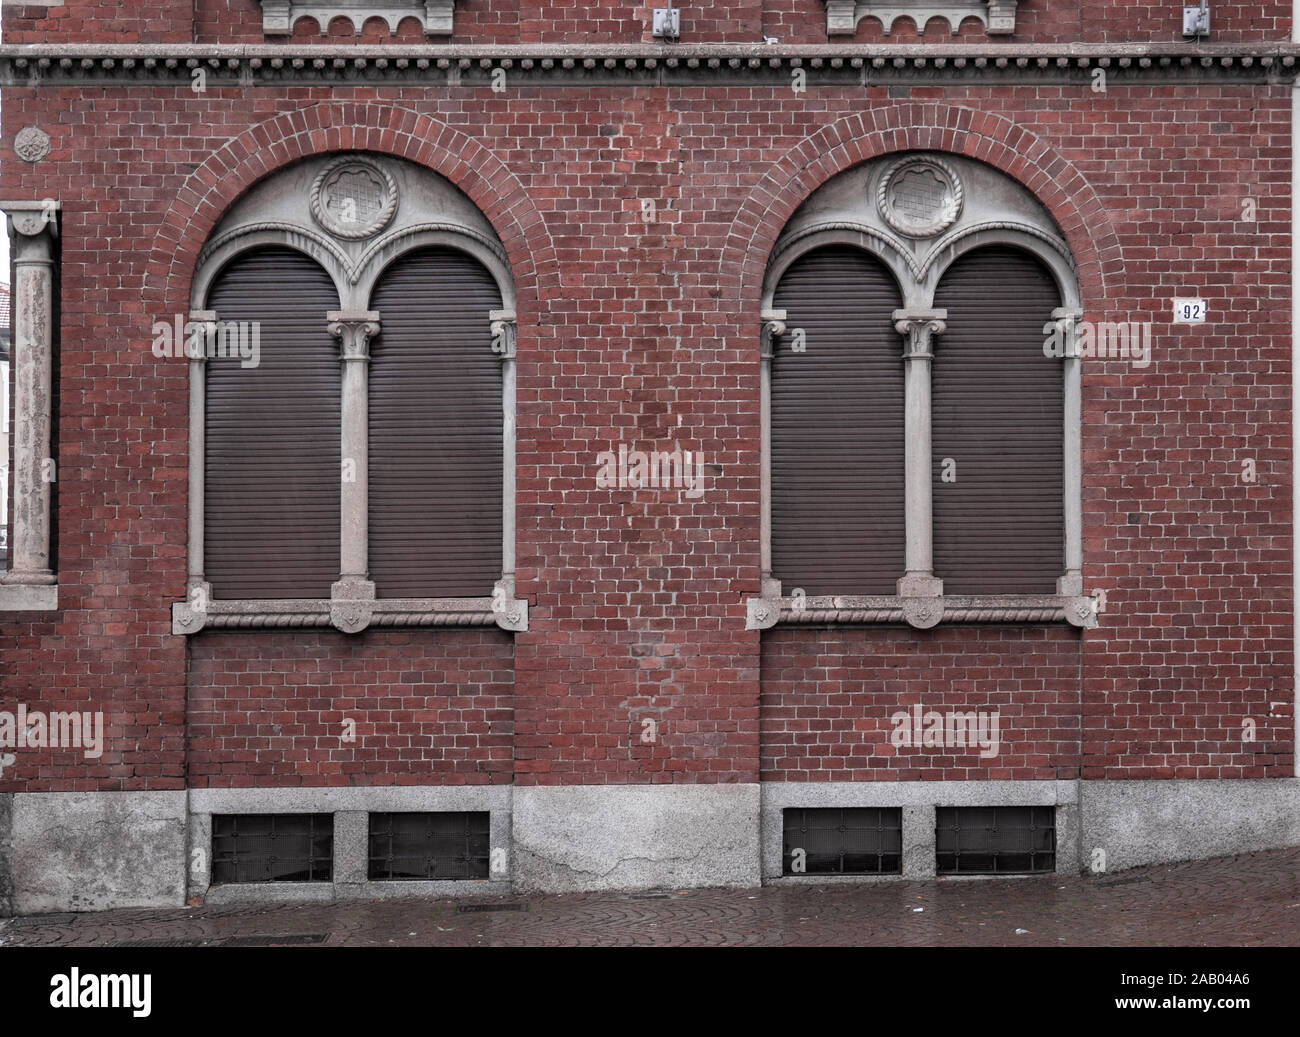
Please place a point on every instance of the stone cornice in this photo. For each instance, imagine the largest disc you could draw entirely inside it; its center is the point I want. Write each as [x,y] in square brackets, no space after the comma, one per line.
[638,64]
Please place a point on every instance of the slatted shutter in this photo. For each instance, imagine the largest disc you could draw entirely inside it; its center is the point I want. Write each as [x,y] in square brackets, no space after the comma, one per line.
[271,523]
[998,413]
[436,428]
[837,428]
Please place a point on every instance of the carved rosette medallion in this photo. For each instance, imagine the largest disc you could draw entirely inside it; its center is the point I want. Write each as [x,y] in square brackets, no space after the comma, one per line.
[920,197]
[354,199]
[32,144]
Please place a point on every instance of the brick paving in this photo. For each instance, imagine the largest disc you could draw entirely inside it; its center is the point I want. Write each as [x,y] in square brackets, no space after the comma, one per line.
[1247,900]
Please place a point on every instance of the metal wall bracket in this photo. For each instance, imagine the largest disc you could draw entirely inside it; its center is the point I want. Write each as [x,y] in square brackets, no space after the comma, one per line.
[1196,20]
[667,23]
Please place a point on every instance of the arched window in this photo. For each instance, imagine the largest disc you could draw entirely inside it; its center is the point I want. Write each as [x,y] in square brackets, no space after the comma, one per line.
[921,454]
[435,429]
[271,525]
[837,426]
[997,416]
[353,411]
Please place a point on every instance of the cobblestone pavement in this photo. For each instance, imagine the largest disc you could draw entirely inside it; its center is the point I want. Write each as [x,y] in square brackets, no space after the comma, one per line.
[1248,900]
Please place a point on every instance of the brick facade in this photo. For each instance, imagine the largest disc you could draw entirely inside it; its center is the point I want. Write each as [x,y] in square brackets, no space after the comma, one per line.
[648,333]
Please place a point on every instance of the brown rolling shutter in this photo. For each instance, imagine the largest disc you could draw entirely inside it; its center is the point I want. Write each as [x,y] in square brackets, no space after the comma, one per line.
[271,524]
[837,428]
[436,427]
[998,413]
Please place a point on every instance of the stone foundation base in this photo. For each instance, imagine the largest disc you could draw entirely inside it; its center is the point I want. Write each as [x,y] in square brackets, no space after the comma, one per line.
[91,851]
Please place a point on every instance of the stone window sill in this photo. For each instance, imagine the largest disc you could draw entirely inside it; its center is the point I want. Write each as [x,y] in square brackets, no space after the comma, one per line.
[29,597]
[348,615]
[923,613]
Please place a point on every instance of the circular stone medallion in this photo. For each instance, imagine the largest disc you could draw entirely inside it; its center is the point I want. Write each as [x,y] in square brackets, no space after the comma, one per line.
[32,144]
[353,198]
[920,197]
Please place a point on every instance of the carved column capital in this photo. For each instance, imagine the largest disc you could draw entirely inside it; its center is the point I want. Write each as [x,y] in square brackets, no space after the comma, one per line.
[354,329]
[505,332]
[204,323]
[1066,320]
[919,326]
[33,219]
[773,329]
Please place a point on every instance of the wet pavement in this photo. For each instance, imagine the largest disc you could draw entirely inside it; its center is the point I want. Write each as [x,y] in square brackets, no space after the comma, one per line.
[1248,900]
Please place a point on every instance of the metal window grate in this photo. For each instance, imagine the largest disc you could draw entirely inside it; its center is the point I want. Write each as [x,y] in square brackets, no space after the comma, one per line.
[995,840]
[857,841]
[272,847]
[442,846]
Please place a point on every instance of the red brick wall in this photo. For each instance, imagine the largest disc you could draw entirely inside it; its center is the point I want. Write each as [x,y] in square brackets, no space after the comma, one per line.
[99,21]
[429,708]
[648,334]
[576,21]
[830,696]
[1047,21]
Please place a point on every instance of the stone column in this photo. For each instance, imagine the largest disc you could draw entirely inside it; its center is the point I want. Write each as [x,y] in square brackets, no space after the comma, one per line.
[773,327]
[354,329]
[33,230]
[1071,582]
[919,581]
[509,612]
[504,329]
[198,591]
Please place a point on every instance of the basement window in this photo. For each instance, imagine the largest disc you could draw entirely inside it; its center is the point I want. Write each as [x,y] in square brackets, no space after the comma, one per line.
[272,848]
[430,847]
[995,840]
[835,841]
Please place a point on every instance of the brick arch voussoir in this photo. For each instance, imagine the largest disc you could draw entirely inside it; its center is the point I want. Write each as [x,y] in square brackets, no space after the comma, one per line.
[985,136]
[260,150]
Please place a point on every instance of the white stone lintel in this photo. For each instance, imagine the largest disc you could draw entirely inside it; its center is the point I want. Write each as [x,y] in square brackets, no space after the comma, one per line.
[435,16]
[997,16]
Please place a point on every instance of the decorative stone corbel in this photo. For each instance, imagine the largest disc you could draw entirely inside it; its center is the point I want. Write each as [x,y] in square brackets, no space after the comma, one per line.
[509,612]
[351,614]
[923,613]
[762,613]
[191,615]
[997,16]
[1081,612]
[280,16]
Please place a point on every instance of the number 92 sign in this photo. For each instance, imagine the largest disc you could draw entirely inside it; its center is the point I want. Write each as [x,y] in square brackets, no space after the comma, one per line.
[1189,311]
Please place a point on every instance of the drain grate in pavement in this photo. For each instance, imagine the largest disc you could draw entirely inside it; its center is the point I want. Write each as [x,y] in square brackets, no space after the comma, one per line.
[470,909]
[160,943]
[37,921]
[275,940]
[1125,882]
[649,896]
[254,940]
